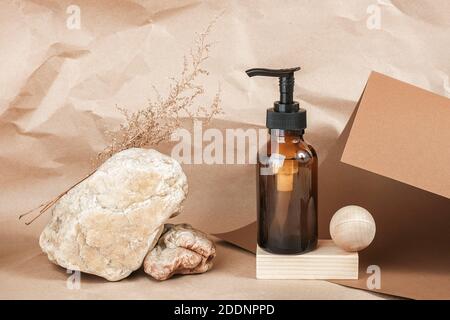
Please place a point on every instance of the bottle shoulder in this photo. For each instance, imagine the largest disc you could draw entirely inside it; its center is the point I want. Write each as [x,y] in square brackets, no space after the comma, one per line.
[292,149]
[305,152]
[310,148]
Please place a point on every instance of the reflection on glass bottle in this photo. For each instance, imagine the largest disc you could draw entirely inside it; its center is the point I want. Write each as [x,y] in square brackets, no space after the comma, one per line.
[287,195]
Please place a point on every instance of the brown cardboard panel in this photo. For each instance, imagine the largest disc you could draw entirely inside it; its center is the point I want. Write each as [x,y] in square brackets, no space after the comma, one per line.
[402,132]
[244,237]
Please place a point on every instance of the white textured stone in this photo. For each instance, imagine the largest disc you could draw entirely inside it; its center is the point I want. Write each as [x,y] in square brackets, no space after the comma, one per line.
[108,223]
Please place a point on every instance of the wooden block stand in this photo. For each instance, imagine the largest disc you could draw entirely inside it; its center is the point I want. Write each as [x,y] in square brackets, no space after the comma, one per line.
[327,262]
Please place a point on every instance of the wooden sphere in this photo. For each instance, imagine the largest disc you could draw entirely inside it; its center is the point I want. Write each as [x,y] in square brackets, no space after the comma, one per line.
[352,228]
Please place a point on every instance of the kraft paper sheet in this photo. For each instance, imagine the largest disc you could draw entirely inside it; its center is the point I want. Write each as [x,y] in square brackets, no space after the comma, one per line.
[59,88]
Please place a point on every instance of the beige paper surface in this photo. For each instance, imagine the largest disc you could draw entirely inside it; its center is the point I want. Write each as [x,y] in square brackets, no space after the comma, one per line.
[59,86]
[27,274]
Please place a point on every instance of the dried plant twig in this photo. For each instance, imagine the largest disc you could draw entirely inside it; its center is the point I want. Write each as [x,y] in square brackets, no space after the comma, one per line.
[161,117]
[47,205]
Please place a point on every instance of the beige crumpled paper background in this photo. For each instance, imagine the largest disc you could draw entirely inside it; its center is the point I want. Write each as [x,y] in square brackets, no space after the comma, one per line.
[59,87]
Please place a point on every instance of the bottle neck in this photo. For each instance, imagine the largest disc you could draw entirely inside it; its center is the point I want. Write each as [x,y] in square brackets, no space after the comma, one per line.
[285,141]
[287,133]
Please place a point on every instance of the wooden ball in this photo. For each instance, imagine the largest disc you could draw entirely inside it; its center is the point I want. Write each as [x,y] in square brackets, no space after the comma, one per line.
[352,228]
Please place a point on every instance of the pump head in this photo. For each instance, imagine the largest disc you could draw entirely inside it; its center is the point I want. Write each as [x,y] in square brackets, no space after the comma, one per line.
[286,113]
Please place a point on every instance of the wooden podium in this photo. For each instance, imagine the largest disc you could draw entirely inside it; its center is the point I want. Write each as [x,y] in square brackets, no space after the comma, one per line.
[326,262]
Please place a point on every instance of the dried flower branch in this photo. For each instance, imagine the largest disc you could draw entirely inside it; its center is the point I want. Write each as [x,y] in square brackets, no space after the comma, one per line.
[47,205]
[161,117]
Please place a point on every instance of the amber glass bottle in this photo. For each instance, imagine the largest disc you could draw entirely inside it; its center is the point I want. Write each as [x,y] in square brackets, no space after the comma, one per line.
[287,194]
[286,175]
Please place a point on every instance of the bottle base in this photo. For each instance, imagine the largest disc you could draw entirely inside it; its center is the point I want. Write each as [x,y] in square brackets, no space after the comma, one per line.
[297,251]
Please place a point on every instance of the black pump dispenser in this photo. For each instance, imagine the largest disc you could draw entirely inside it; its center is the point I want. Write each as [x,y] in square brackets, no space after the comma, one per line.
[286,113]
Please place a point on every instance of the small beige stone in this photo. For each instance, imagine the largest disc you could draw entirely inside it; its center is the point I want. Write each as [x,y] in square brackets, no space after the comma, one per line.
[180,250]
[107,224]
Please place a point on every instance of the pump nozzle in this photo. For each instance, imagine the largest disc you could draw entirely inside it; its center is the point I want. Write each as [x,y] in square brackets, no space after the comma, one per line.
[286,113]
[286,76]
